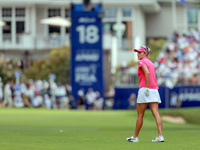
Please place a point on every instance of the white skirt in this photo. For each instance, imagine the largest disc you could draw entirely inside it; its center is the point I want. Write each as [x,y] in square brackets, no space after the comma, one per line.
[154,96]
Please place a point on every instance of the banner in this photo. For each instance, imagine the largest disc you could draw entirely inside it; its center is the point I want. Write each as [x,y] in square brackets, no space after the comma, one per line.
[179,96]
[86,50]
[184,96]
[123,94]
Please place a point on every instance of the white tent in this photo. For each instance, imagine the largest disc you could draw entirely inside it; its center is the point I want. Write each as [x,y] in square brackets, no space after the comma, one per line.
[56,21]
[2,23]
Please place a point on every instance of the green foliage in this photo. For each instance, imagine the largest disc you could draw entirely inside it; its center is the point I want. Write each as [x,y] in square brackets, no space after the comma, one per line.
[156,46]
[34,72]
[57,62]
[8,68]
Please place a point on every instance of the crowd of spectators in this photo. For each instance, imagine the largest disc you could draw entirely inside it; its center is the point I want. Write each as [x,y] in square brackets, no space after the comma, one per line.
[93,99]
[37,93]
[179,63]
[51,95]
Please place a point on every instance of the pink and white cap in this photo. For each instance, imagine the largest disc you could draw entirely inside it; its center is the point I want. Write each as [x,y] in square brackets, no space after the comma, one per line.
[142,49]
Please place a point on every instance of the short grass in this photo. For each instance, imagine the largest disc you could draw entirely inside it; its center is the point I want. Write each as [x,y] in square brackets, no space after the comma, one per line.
[39,129]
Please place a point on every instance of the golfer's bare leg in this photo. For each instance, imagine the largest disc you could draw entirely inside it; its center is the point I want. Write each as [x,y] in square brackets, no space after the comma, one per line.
[140,111]
[155,112]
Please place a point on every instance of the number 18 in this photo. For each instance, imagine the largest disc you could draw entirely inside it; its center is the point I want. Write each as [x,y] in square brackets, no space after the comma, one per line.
[88,34]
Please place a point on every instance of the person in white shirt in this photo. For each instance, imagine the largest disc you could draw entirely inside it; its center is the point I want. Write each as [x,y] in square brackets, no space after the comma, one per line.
[53,87]
[47,101]
[7,95]
[98,104]
[62,99]
[91,98]
[18,101]
[37,101]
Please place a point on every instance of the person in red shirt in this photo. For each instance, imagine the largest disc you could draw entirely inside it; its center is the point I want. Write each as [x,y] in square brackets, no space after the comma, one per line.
[147,94]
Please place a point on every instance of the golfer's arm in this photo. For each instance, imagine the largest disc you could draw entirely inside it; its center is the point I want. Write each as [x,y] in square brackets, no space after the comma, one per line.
[147,75]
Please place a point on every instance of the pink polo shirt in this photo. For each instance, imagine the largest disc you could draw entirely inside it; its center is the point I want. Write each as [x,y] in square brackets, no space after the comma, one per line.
[153,81]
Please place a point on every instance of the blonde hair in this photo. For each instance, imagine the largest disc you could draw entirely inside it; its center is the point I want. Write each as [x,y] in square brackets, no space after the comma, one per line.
[148,49]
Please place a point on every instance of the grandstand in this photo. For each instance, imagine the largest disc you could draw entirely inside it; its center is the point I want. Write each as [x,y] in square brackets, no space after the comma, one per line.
[179,63]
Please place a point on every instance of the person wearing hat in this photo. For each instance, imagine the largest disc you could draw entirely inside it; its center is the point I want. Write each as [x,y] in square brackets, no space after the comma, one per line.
[147,94]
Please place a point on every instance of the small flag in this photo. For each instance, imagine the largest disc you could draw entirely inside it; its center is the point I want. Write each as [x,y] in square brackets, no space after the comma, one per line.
[183,2]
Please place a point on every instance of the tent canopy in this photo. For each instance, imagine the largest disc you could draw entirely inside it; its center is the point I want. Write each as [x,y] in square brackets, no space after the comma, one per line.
[2,23]
[56,21]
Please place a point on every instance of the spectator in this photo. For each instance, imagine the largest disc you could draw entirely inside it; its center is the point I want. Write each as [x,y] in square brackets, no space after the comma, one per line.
[68,88]
[18,101]
[26,101]
[195,78]
[61,99]
[72,102]
[175,101]
[109,98]
[81,99]
[47,101]
[132,101]
[37,101]
[64,102]
[7,95]
[52,92]
[29,95]
[98,104]
[91,98]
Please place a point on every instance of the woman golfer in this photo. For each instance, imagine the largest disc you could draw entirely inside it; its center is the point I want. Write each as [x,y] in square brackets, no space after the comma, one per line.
[147,94]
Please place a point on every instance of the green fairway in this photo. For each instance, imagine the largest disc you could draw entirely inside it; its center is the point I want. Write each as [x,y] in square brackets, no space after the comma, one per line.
[39,129]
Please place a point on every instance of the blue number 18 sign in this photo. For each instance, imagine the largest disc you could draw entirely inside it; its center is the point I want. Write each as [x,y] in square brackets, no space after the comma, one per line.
[86,50]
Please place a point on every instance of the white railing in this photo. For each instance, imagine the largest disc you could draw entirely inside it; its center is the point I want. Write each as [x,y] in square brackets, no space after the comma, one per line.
[22,41]
[28,42]
[41,42]
[50,42]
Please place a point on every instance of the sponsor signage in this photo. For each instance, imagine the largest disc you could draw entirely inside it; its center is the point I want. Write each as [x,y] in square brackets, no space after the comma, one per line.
[86,50]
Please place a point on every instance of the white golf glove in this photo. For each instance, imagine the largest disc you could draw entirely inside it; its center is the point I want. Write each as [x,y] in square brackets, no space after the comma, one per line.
[146,92]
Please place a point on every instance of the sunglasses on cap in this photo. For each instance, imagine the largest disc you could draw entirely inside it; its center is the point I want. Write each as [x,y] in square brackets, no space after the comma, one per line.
[145,48]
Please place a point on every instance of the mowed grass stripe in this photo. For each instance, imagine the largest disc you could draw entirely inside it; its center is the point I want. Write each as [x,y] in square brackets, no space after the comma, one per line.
[89,130]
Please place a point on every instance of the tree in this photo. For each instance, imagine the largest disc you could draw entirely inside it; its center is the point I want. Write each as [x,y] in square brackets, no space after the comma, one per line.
[8,68]
[57,62]
[156,46]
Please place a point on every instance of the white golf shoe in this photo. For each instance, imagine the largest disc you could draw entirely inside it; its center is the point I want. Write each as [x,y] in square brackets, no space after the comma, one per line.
[158,139]
[132,139]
